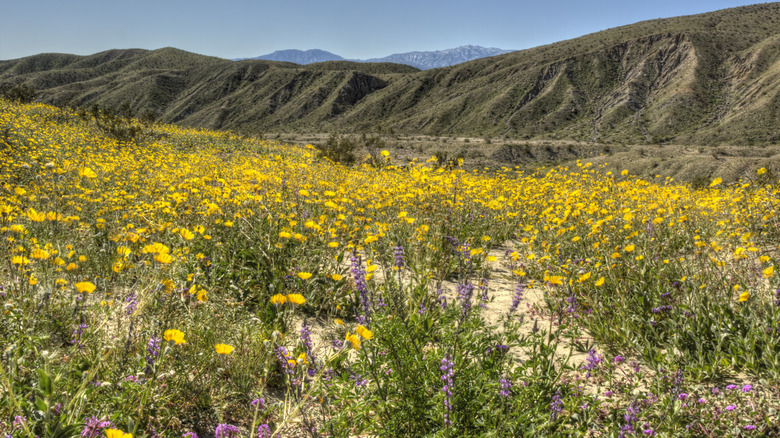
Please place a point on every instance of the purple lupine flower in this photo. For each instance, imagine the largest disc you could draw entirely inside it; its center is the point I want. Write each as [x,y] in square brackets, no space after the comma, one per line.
[506,386]
[263,431]
[572,300]
[630,417]
[306,338]
[93,427]
[19,422]
[398,255]
[132,303]
[519,288]
[258,403]
[284,357]
[77,335]
[465,292]
[359,381]
[152,351]
[593,361]
[447,369]
[359,275]
[422,309]
[483,287]
[556,405]
[227,431]
[337,344]
[679,381]
[441,298]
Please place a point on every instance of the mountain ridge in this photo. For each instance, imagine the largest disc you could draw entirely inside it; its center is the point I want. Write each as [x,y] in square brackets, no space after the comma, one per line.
[424,60]
[710,78]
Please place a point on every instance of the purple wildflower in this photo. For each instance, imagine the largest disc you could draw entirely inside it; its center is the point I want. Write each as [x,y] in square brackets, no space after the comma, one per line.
[593,361]
[747,388]
[190,435]
[93,427]
[556,405]
[226,431]
[465,292]
[152,351]
[263,431]
[517,297]
[132,303]
[284,357]
[258,403]
[506,386]
[441,298]
[398,255]
[483,287]
[630,417]
[306,338]
[359,381]
[77,335]
[359,275]
[618,360]
[447,369]
[19,422]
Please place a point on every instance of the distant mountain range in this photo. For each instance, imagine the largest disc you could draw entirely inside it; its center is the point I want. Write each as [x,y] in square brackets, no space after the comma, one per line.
[703,79]
[421,60]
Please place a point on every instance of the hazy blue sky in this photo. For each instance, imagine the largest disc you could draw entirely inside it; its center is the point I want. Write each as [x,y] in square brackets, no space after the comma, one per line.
[350,28]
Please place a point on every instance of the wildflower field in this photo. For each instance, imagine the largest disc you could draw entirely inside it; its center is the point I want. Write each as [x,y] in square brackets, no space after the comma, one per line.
[194,283]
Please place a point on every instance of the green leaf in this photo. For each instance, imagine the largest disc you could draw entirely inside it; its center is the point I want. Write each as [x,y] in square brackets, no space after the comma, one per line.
[44,383]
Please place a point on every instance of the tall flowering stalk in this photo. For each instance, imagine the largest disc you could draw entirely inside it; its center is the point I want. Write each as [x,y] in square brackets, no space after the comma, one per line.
[447,373]
[398,255]
[152,351]
[359,275]
[518,296]
[307,344]
[483,287]
[465,293]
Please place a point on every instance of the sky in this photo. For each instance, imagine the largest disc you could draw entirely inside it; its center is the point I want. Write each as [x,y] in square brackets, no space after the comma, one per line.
[354,29]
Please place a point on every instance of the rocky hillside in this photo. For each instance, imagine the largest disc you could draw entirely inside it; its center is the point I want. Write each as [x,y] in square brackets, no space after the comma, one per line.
[704,79]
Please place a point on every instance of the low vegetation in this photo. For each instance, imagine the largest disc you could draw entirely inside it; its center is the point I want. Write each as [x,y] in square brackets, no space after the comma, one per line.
[189,282]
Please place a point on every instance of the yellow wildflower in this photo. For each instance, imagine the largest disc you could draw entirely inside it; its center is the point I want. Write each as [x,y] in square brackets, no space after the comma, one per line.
[223,349]
[85,286]
[296,298]
[174,335]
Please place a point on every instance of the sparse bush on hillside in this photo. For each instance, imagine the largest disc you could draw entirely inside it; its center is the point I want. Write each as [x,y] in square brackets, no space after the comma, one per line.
[117,125]
[22,92]
[339,148]
[373,144]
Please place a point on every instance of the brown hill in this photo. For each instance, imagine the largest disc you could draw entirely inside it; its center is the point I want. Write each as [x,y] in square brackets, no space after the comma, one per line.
[704,79]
